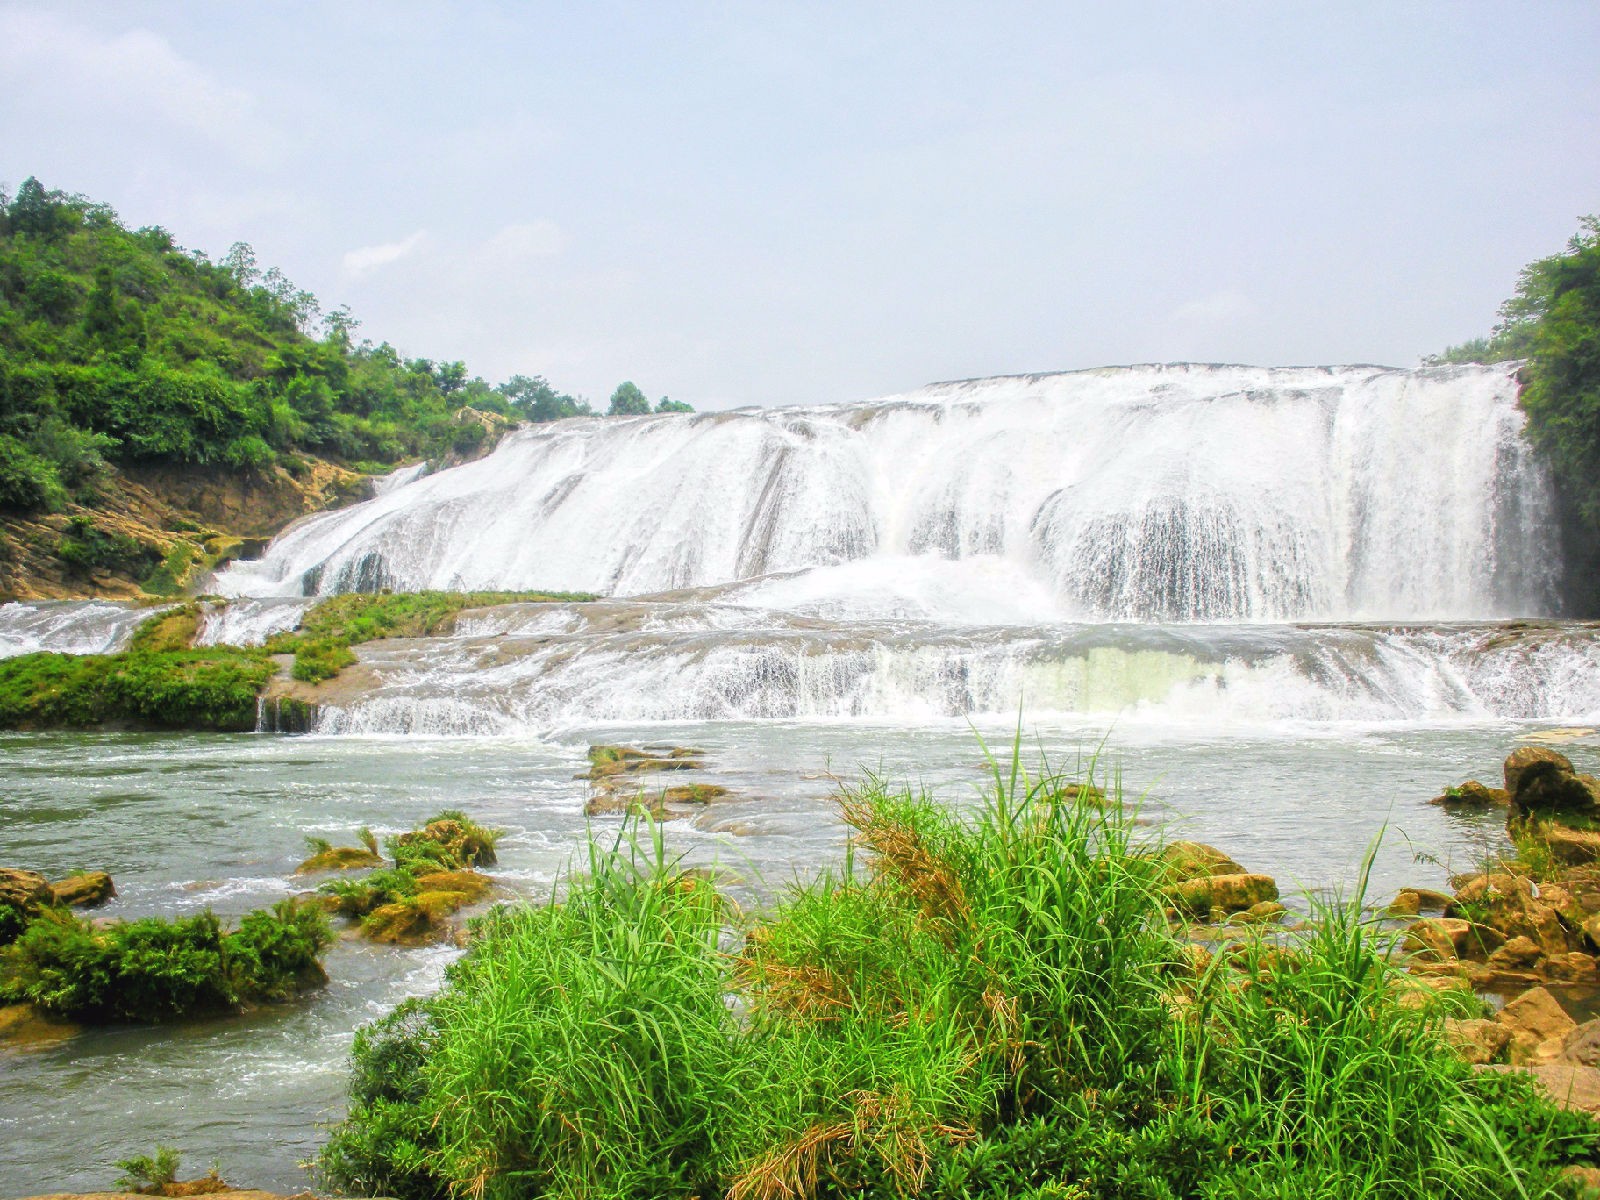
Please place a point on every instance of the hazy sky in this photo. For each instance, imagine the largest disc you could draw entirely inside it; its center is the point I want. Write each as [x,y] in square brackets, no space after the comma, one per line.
[786,203]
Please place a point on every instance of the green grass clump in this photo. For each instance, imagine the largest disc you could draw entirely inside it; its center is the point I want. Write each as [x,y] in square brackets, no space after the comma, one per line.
[149,1173]
[358,897]
[159,970]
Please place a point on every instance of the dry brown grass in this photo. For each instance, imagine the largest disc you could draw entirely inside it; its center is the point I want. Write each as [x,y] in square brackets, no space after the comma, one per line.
[900,854]
[885,1124]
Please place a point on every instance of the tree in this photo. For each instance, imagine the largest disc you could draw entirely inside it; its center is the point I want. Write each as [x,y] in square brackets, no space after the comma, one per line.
[100,318]
[665,405]
[1557,309]
[452,376]
[240,262]
[628,401]
[537,401]
[35,210]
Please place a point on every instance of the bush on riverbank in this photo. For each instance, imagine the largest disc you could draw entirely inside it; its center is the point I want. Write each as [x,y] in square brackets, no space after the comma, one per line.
[159,970]
[994,1007]
[213,689]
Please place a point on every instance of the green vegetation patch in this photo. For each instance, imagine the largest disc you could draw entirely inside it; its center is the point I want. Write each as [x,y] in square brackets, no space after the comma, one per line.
[118,345]
[985,1007]
[159,970]
[321,644]
[156,682]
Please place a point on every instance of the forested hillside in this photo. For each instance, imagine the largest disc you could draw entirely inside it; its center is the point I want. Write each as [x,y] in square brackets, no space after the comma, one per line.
[1553,322]
[146,391]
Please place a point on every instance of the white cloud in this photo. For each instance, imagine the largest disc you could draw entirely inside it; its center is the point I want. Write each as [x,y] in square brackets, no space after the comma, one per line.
[535,239]
[368,258]
[131,78]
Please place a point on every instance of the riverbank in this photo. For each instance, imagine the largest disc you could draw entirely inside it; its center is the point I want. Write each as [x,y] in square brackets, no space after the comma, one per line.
[1003,1005]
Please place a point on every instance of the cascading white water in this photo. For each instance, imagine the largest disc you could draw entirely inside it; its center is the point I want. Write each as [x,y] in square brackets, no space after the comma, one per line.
[68,627]
[1178,493]
[249,622]
[1113,544]
[695,658]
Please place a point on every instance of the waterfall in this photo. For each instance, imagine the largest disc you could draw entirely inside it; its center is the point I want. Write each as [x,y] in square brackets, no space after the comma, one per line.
[68,626]
[1158,494]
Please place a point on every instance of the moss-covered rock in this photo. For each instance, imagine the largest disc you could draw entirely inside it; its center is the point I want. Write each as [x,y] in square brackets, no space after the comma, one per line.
[1181,861]
[23,896]
[418,920]
[328,857]
[449,841]
[1224,894]
[1472,794]
[84,889]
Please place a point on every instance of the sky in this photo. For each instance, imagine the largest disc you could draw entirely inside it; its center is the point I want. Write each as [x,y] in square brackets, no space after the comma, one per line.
[808,202]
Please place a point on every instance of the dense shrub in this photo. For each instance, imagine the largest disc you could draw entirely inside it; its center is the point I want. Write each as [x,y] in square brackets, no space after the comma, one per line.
[158,970]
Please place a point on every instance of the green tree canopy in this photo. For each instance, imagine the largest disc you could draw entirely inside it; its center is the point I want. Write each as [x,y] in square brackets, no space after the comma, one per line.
[628,401]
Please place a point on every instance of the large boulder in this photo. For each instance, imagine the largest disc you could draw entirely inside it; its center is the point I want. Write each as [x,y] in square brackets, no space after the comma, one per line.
[1506,903]
[86,889]
[22,895]
[1539,1026]
[1543,784]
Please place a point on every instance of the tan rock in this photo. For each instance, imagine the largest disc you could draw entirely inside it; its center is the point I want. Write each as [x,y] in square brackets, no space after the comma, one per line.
[1442,937]
[1542,783]
[1477,1040]
[86,889]
[1538,1025]
[1538,758]
[1569,847]
[1518,954]
[1492,890]
[1583,1183]
[1183,861]
[1406,903]
[1581,1046]
[26,891]
[1572,967]
[23,1027]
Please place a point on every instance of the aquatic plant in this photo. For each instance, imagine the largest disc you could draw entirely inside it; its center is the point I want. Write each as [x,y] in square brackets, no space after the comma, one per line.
[149,1173]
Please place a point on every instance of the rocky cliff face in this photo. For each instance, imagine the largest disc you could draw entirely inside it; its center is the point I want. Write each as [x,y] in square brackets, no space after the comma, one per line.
[156,529]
